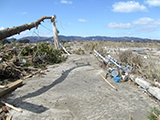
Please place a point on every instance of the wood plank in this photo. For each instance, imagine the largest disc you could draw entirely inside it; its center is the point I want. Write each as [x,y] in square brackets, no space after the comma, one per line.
[109,83]
[9,117]
[11,106]
[10,87]
[130,117]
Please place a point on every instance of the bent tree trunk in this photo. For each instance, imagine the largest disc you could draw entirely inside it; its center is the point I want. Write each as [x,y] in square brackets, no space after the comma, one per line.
[55,34]
[16,30]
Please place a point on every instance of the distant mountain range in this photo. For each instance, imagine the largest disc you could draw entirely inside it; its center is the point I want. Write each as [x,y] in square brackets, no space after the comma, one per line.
[90,38]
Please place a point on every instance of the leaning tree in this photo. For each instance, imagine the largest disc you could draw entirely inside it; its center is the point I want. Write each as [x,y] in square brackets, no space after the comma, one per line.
[18,29]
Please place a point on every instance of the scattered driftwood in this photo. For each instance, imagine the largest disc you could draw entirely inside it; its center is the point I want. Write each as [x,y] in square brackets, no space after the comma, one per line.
[11,106]
[109,83]
[9,117]
[10,87]
[100,116]
[13,68]
[158,117]
[130,117]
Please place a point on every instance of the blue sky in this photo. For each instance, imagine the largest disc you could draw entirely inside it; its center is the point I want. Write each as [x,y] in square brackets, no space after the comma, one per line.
[113,18]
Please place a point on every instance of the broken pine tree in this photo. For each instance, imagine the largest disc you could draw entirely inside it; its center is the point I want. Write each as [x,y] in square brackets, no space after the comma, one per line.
[18,29]
[16,66]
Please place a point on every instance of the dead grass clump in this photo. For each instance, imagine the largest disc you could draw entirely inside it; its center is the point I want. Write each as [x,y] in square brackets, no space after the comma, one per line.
[128,57]
[151,69]
[79,52]
[125,56]
[90,46]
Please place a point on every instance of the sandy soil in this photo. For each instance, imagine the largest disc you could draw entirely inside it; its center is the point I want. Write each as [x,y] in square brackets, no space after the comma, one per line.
[74,90]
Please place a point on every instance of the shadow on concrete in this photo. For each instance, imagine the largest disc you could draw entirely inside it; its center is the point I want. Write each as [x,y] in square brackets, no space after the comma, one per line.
[36,108]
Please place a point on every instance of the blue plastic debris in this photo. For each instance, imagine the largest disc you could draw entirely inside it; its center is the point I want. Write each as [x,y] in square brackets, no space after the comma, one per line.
[116,79]
[0,60]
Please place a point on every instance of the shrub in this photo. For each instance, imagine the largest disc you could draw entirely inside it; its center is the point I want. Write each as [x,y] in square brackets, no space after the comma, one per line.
[79,51]
[151,116]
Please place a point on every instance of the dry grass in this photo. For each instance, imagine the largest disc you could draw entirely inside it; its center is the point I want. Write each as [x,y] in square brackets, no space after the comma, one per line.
[121,44]
[146,67]
[151,69]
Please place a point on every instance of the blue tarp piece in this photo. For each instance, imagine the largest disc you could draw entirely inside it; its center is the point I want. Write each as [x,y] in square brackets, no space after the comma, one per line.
[116,79]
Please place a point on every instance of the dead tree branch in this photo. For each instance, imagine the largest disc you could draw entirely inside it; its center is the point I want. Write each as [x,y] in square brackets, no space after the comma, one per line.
[16,30]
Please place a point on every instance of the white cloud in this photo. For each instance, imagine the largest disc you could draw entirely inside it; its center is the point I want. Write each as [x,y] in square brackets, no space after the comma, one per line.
[82,20]
[146,28]
[69,23]
[153,2]
[143,21]
[128,33]
[1,28]
[120,25]
[25,32]
[129,6]
[146,24]
[85,36]
[21,13]
[70,2]
[66,2]
[47,34]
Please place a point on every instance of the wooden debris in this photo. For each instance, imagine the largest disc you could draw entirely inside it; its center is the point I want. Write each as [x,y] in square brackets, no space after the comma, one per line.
[15,30]
[130,117]
[100,116]
[158,118]
[10,87]
[109,83]
[2,86]
[11,106]
[9,117]
[27,76]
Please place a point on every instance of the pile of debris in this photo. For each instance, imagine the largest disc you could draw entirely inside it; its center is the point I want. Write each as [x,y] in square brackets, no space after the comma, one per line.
[114,69]
[119,72]
[20,60]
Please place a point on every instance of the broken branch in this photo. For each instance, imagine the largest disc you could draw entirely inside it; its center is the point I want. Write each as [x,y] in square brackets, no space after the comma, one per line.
[16,30]
[109,83]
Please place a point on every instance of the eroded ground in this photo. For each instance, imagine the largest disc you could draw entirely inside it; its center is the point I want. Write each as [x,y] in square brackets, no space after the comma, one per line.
[74,90]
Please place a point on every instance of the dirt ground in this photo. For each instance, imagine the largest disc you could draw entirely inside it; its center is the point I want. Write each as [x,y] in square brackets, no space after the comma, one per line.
[74,90]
